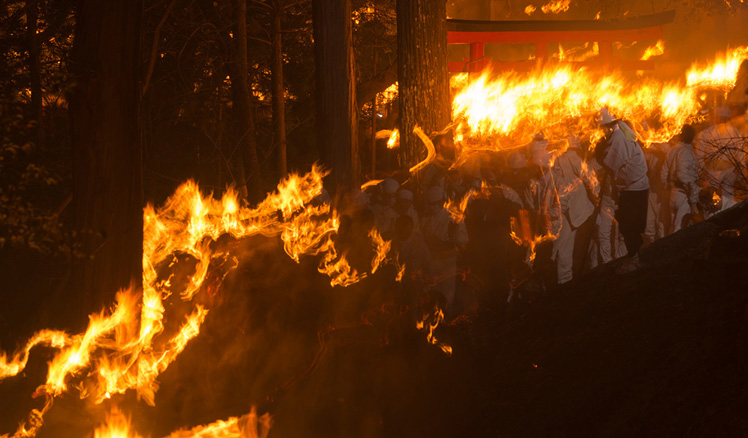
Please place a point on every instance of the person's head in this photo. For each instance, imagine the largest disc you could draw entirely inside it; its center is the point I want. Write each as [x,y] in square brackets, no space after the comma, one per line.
[388,188]
[403,227]
[687,134]
[403,201]
[606,121]
[434,199]
[722,114]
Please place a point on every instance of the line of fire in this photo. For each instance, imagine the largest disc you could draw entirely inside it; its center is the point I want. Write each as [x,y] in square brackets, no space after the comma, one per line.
[373,218]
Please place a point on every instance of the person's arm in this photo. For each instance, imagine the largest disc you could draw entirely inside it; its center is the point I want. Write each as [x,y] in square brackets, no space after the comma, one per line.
[615,159]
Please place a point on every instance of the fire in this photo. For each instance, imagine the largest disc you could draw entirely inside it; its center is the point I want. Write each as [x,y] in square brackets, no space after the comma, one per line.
[556,7]
[720,73]
[456,208]
[247,426]
[117,426]
[124,348]
[430,150]
[381,247]
[429,322]
[506,110]
[656,50]
[394,140]
[530,9]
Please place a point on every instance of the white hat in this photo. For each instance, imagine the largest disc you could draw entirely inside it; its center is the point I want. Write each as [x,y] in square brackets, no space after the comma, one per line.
[389,186]
[604,117]
[434,194]
[404,194]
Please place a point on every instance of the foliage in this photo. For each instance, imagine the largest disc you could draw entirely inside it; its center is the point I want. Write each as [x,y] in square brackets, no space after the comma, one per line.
[34,154]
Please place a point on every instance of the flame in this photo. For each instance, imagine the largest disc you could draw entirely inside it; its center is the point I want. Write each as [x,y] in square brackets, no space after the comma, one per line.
[431,151]
[127,347]
[381,247]
[556,7]
[716,199]
[530,9]
[371,183]
[721,73]
[597,16]
[428,323]
[394,140]
[248,426]
[656,50]
[506,110]
[456,208]
[117,426]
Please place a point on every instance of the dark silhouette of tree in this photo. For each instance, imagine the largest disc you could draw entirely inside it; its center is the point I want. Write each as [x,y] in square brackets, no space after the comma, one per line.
[337,115]
[107,186]
[422,72]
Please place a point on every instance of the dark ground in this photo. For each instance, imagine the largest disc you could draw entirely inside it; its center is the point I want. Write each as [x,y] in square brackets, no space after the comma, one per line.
[659,352]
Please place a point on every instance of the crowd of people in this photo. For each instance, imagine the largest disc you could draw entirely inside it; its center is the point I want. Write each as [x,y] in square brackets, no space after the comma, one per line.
[529,218]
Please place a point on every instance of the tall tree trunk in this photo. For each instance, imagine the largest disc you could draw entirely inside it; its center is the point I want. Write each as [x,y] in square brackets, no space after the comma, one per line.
[337,115]
[279,105]
[242,103]
[32,17]
[422,72]
[107,173]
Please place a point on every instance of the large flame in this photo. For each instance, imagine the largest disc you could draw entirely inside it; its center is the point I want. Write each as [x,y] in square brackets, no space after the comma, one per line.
[505,110]
[719,73]
[128,346]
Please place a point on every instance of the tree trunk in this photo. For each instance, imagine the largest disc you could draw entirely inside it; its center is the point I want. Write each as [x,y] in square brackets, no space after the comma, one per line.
[337,115]
[107,173]
[422,73]
[32,16]
[279,105]
[246,150]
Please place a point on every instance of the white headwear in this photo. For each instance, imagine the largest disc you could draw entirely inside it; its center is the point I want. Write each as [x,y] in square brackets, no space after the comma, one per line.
[389,186]
[604,117]
[404,194]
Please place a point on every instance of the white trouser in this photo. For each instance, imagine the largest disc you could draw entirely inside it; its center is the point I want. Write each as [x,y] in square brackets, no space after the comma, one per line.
[679,208]
[563,251]
[655,225]
[608,247]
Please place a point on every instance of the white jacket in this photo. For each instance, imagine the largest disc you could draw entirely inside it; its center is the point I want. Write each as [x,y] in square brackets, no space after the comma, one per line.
[681,171]
[625,160]
[570,187]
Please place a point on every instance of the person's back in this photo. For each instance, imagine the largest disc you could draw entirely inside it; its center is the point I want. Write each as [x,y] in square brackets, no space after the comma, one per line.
[680,173]
[627,163]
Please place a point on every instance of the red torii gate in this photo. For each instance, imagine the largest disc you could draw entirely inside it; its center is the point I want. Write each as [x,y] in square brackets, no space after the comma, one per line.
[605,33]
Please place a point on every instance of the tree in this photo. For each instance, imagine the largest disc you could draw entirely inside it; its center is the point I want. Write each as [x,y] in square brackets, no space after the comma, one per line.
[279,107]
[246,143]
[107,187]
[337,115]
[422,72]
